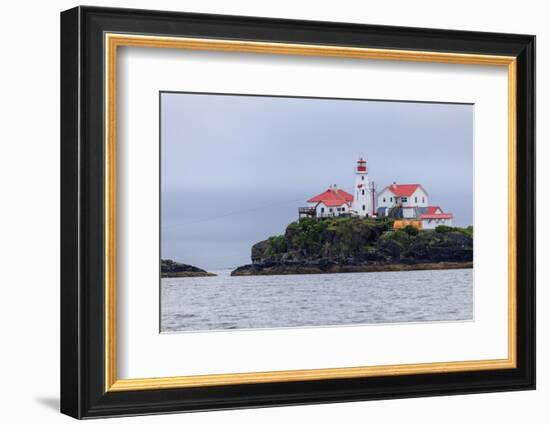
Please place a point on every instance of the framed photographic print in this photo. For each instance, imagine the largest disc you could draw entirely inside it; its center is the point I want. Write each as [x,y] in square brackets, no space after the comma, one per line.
[261,212]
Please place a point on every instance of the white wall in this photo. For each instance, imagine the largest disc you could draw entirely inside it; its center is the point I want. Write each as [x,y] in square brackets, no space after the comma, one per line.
[321,210]
[388,194]
[432,223]
[419,194]
[409,212]
[29,172]
[327,210]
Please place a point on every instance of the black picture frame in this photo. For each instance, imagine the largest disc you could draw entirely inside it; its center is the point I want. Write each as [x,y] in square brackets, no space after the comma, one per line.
[83,392]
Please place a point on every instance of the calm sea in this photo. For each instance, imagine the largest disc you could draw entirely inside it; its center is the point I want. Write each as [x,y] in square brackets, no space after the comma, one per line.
[244,302]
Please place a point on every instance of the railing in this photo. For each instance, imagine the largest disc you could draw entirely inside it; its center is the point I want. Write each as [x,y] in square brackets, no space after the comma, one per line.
[306,210]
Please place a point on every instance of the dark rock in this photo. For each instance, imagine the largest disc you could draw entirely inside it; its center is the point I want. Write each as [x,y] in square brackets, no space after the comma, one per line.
[170,268]
[258,251]
[349,244]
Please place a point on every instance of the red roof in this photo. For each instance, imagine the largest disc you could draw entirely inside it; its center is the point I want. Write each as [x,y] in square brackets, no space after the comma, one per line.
[333,197]
[433,209]
[444,215]
[431,212]
[403,189]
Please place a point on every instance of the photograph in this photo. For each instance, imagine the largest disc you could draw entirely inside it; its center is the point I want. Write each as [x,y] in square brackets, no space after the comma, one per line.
[288,209]
[288,212]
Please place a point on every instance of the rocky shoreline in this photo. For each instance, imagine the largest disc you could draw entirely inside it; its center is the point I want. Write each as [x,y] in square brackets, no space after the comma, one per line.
[358,245]
[187,274]
[170,268]
[255,270]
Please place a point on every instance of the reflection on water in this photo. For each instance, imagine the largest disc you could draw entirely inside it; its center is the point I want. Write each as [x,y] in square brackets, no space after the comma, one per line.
[243,302]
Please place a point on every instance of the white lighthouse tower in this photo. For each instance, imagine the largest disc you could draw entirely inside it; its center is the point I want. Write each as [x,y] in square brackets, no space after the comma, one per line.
[362,199]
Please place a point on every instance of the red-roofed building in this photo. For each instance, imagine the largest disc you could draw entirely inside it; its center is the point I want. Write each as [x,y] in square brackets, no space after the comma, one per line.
[411,201]
[403,195]
[333,202]
[333,197]
[434,216]
[400,201]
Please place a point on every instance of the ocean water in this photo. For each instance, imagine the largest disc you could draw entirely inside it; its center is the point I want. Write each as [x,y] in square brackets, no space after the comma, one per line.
[244,302]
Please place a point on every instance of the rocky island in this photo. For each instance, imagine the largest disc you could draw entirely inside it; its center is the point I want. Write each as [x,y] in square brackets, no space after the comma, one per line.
[354,244]
[170,268]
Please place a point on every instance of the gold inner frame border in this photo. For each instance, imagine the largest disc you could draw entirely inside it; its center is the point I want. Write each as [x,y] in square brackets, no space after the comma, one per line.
[113,40]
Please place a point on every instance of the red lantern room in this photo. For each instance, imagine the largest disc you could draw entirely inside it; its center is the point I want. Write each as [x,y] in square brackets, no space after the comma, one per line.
[362,165]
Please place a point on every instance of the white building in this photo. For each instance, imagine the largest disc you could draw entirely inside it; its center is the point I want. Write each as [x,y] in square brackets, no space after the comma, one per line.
[401,201]
[403,195]
[434,216]
[333,202]
[363,199]
[410,201]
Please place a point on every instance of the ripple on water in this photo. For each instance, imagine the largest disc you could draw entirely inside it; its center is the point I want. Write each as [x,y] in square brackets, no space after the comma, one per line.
[225,302]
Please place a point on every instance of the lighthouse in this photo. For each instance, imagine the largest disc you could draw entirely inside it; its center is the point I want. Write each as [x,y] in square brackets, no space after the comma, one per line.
[362,201]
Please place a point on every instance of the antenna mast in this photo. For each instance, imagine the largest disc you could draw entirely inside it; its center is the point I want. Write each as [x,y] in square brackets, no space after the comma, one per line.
[373,192]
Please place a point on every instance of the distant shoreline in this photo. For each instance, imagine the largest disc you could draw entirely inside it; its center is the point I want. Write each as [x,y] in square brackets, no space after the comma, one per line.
[252,270]
[171,268]
[187,274]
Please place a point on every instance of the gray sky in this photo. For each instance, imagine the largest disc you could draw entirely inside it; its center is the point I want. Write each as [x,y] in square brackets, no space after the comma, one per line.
[235,169]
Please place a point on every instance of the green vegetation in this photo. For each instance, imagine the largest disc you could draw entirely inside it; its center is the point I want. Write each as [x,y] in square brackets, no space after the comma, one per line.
[336,236]
[399,236]
[469,231]
[353,240]
[353,244]
[411,230]
[275,245]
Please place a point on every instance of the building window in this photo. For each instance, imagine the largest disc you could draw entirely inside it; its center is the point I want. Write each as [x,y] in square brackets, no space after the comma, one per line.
[422,199]
[415,199]
[404,199]
[363,192]
[364,207]
[330,209]
[391,199]
[383,199]
[362,177]
[322,210]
